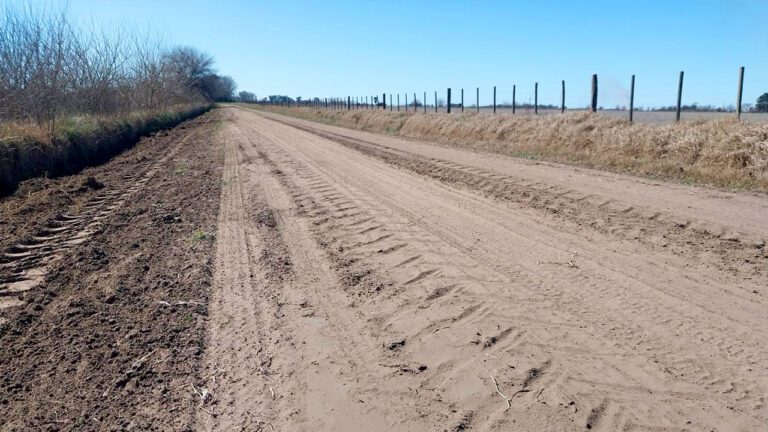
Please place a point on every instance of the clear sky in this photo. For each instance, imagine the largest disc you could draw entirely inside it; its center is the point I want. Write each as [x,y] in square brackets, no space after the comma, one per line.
[339,48]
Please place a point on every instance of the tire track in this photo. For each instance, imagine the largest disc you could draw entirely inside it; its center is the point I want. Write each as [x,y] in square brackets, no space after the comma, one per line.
[612,328]
[732,251]
[24,265]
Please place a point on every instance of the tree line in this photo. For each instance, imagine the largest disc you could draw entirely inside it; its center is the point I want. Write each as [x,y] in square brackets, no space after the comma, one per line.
[51,67]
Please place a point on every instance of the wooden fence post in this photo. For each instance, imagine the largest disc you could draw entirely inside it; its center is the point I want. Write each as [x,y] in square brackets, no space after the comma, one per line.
[398,101]
[406,102]
[536,98]
[390,102]
[477,99]
[349,103]
[462,100]
[562,99]
[435,100]
[593,105]
[425,102]
[449,100]
[384,101]
[415,105]
[514,88]
[494,99]
[631,99]
[679,97]
[738,94]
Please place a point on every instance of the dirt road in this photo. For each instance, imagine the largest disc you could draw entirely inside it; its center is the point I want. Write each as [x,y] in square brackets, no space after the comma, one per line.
[249,271]
[364,282]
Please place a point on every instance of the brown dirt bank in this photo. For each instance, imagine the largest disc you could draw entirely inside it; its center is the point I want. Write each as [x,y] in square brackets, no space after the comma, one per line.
[112,337]
[722,153]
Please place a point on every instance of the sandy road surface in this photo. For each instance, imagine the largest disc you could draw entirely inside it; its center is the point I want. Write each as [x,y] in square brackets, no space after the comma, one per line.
[368,283]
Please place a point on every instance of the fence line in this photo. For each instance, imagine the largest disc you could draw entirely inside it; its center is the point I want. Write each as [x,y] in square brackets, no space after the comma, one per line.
[360,102]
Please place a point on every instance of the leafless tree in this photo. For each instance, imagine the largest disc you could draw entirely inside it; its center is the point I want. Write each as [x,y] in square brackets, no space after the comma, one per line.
[50,68]
[246,97]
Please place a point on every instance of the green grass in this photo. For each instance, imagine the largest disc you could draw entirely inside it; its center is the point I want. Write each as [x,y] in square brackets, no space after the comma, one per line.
[200,235]
[180,170]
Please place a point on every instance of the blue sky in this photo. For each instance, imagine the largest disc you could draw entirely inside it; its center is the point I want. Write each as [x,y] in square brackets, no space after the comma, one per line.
[339,48]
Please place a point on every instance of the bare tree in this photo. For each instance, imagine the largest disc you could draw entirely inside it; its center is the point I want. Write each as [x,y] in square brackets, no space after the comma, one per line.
[246,97]
[50,68]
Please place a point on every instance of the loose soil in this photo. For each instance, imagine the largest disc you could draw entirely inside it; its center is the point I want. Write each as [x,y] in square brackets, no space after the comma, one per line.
[103,327]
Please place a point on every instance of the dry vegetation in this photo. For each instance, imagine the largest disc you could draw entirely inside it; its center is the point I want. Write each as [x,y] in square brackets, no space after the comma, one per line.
[723,152]
[80,141]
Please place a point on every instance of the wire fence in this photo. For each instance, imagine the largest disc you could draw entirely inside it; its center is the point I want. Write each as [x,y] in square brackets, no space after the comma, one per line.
[455,101]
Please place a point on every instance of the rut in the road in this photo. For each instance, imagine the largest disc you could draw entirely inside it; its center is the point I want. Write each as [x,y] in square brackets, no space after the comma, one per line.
[730,250]
[284,349]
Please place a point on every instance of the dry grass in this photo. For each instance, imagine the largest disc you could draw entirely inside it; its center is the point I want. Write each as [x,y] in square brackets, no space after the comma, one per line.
[721,152]
[75,125]
[28,150]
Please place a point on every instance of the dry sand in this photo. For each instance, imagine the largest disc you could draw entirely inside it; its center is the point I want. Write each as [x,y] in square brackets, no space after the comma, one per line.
[369,283]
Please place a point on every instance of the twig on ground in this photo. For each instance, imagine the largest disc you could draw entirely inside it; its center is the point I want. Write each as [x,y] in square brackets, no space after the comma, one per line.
[138,363]
[202,392]
[179,303]
[570,263]
[135,366]
[496,384]
[216,372]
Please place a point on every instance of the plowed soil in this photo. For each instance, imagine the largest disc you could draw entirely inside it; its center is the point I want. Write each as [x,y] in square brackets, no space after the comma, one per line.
[255,272]
[104,287]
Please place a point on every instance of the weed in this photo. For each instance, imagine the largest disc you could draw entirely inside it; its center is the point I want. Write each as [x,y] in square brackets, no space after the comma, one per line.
[201,235]
[180,170]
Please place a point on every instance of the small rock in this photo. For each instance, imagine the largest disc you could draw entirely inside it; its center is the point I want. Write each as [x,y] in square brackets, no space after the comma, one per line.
[91,183]
[171,218]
